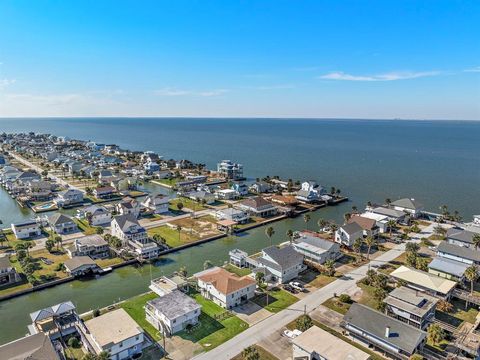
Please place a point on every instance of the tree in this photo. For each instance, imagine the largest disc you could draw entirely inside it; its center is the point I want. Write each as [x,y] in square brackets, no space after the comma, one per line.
[290,235]
[49,244]
[357,247]
[304,323]
[207,265]
[58,241]
[412,247]
[392,225]
[96,313]
[444,306]
[476,241]
[183,271]
[259,278]
[388,201]
[269,231]
[179,229]
[329,267]
[471,274]
[73,342]
[180,206]
[250,353]
[306,218]
[435,334]
[439,231]
[322,223]
[370,241]
[347,216]
[103,356]
[99,230]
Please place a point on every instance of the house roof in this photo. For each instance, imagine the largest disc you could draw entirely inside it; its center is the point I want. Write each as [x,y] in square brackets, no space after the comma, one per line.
[91,240]
[125,221]
[388,212]
[256,202]
[410,300]
[25,223]
[460,235]
[447,266]
[59,218]
[460,251]
[174,304]
[51,311]
[329,346]
[423,279]
[364,222]
[34,347]
[407,203]
[224,281]
[403,336]
[315,243]
[5,262]
[79,261]
[285,257]
[113,328]
[351,228]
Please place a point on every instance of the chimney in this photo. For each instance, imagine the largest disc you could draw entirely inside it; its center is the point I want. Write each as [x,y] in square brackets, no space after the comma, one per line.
[387,332]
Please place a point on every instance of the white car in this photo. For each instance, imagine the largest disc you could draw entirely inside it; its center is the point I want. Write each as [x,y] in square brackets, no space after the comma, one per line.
[291,334]
[296,285]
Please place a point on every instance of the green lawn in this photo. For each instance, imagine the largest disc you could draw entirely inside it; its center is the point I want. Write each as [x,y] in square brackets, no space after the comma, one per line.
[74,353]
[10,242]
[85,227]
[264,354]
[187,203]
[278,299]
[211,332]
[134,307]
[171,235]
[169,182]
[103,263]
[459,313]
[336,305]
[367,296]
[236,270]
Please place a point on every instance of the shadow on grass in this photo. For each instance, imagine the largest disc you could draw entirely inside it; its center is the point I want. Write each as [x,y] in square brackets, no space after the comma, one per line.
[207,325]
[261,300]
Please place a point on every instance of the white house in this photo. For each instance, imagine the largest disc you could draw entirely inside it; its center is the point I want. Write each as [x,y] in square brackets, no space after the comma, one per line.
[224,288]
[68,197]
[240,188]
[347,234]
[127,206]
[27,229]
[226,194]
[239,216]
[282,263]
[310,192]
[92,245]
[172,312]
[411,206]
[114,332]
[230,170]
[95,215]
[157,203]
[316,249]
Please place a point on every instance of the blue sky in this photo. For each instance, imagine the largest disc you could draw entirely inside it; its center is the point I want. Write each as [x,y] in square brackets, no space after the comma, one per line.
[351,59]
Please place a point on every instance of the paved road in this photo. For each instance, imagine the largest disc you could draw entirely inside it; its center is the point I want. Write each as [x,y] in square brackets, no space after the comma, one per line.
[260,331]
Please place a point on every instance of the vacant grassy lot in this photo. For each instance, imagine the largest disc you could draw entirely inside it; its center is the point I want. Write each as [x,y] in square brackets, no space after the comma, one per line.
[172,237]
[134,307]
[315,279]
[277,300]
[187,203]
[236,270]
[336,305]
[85,227]
[264,354]
[103,263]
[212,330]
[9,242]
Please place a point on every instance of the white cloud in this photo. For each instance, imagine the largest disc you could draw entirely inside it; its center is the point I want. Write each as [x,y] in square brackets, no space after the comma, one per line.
[6,82]
[392,76]
[475,69]
[181,92]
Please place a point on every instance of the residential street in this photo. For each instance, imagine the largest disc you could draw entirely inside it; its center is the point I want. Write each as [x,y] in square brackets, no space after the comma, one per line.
[274,323]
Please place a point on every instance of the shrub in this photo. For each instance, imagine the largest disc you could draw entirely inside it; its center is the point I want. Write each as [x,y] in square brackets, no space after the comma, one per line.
[96,312]
[73,342]
[345,298]
[304,323]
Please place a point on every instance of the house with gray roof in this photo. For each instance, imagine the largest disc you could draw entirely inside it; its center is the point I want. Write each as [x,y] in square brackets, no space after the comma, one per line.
[315,248]
[258,206]
[172,312]
[461,254]
[460,237]
[282,263]
[8,274]
[348,233]
[447,268]
[391,214]
[411,306]
[62,224]
[387,335]
[34,347]
[411,206]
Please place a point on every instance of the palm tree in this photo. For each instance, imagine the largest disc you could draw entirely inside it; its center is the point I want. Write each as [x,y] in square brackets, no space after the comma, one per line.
[369,241]
[472,275]
[207,264]
[333,227]
[330,267]
[58,241]
[476,241]
[347,216]
[354,209]
[306,218]
[269,231]
[392,225]
[435,334]
[412,247]
[388,201]
[103,356]
[250,353]
[179,229]
[290,235]
[322,223]
[357,246]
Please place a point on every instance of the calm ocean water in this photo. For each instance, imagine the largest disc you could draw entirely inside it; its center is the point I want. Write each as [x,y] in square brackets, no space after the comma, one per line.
[434,162]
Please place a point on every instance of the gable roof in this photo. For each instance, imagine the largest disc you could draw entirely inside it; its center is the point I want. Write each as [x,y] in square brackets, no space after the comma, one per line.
[125,221]
[34,347]
[388,212]
[423,279]
[51,311]
[460,235]
[224,281]
[403,336]
[352,228]
[256,202]
[285,257]
[79,261]
[447,266]
[59,218]
[413,301]
[364,222]
[460,251]
[407,203]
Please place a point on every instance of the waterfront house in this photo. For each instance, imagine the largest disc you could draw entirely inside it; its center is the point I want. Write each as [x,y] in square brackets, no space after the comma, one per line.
[260,187]
[39,190]
[447,268]
[172,312]
[69,197]
[226,194]
[27,176]
[238,258]
[81,266]
[35,347]
[461,254]
[424,281]
[74,167]
[258,206]
[369,226]
[134,236]
[95,215]
[104,192]
[460,237]
[128,206]
[381,221]
[232,214]
[241,189]
[92,245]
[201,196]
[156,203]
[62,224]
[411,306]
[316,343]
[410,206]
[282,263]
[224,288]
[230,170]
[26,230]
[55,321]
[310,192]
[391,214]
[115,333]
[348,233]
[8,274]
[390,336]
[315,248]
[151,167]
[165,285]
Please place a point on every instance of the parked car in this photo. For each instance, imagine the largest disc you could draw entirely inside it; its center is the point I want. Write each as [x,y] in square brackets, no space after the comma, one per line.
[296,285]
[292,334]
[290,289]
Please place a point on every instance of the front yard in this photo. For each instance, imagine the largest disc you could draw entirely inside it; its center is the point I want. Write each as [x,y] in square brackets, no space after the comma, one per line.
[216,325]
[277,300]
[134,307]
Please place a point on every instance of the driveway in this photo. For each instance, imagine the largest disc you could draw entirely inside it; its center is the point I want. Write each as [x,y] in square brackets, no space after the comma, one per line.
[251,313]
[180,349]
[278,345]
